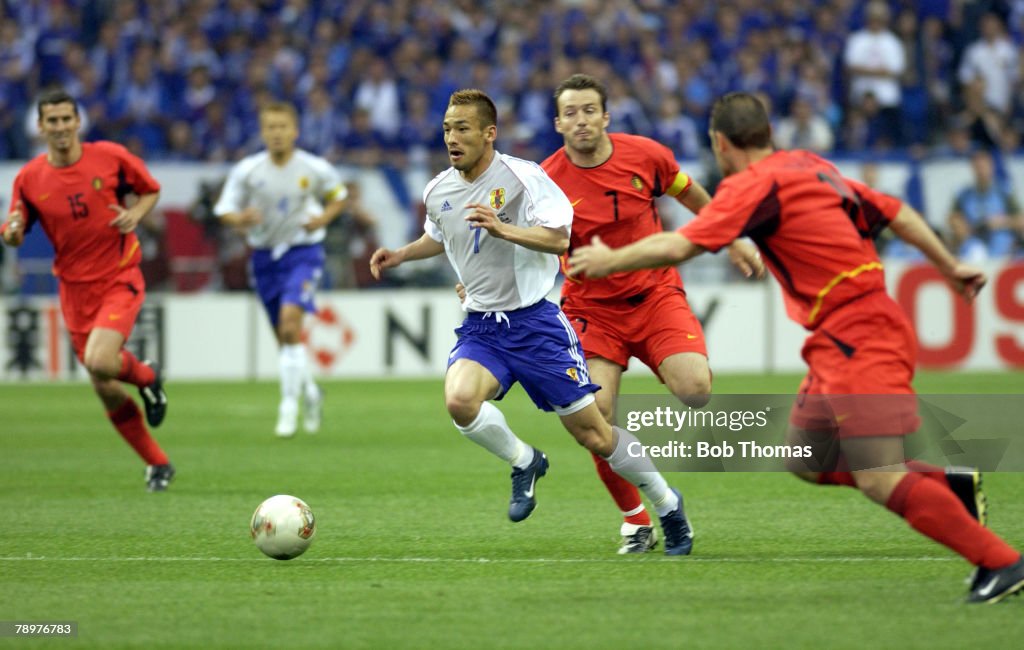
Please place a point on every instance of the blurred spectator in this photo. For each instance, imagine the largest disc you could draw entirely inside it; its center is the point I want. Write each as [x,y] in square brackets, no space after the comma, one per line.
[377,94]
[181,146]
[419,133]
[986,126]
[59,31]
[676,130]
[985,220]
[935,58]
[875,62]
[628,115]
[803,129]
[320,126]
[362,145]
[199,92]
[994,60]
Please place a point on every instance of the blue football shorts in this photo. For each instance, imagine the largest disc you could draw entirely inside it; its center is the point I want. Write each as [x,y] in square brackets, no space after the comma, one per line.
[288,280]
[535,346]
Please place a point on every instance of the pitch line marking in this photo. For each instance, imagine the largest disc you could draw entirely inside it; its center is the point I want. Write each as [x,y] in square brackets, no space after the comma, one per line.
[483,560]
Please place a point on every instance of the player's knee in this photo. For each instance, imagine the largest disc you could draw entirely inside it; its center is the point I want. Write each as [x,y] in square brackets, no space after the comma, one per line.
[463,407]
[694,391]
[607,411]
[289,334]
[595,439]
[101,365]
[876,486]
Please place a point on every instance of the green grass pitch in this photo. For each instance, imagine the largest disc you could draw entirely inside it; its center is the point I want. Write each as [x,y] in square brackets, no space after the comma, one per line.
[413,548]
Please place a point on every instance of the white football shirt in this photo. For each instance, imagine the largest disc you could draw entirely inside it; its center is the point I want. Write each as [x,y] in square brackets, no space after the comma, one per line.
[287,196]
[498,275]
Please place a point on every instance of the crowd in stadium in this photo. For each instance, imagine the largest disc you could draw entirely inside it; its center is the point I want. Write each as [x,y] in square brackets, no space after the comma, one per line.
[181,79]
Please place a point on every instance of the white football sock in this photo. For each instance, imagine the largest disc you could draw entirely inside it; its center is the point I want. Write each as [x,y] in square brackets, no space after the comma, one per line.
[292,364]
[308,383]
[641,473]
[490,431]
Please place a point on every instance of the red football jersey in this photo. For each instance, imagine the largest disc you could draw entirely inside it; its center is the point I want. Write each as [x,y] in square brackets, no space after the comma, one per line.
[616,201]
[814,228]
[72,204]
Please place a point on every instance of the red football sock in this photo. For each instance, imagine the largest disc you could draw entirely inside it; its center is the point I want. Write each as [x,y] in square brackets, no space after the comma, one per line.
[127,419]
[625,494]
[928,471]
[935,512]
[836,478]
[134,371]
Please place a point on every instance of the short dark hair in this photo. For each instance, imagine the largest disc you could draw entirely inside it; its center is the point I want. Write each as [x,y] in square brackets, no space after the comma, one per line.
[485,109]
[742,118]
[277,106]
[55,96]
[581,81]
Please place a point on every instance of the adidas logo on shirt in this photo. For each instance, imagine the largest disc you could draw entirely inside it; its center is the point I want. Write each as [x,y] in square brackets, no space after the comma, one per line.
[446,207]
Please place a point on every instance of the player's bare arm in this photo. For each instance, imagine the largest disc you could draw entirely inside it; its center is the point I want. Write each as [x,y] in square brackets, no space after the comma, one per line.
[127,219]
[662,249]
[911,227]
[13,231]
[537,238]
[421,249]
[243,219]
[330,213]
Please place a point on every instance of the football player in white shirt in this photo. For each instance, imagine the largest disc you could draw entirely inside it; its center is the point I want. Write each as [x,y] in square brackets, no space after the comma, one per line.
[282,199]
[502,222]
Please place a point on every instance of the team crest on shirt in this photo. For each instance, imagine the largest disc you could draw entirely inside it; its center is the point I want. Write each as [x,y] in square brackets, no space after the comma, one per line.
[97,183]
[304,182]
[636,182]
[573,374]
[497,198]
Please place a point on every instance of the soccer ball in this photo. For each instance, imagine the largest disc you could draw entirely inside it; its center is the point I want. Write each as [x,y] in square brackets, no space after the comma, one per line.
[283,527]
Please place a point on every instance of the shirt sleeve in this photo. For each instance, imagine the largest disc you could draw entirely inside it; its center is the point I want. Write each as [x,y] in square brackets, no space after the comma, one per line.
[546,204]
[432,231]
[878,208]
[232,195]
[666,166]
[135,173]
[331,186]
[738,206]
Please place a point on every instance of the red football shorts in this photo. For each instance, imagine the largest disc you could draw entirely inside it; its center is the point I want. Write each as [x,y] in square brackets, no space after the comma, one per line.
[651,327]
[861,364]
[111,304]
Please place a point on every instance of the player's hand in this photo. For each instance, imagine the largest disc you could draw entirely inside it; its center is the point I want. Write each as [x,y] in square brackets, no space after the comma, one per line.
[249,217]
[967,280]
[315,223]
[14,232]
[594,261]
[745,257]
[126,220]
[484,216]
[460,291]
[383,258]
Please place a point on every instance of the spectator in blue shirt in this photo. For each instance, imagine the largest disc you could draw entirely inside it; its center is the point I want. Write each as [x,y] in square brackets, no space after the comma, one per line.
[985,219]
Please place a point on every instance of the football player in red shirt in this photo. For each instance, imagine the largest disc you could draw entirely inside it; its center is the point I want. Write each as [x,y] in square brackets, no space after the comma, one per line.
[76,192]
[612,181]
[814,229]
